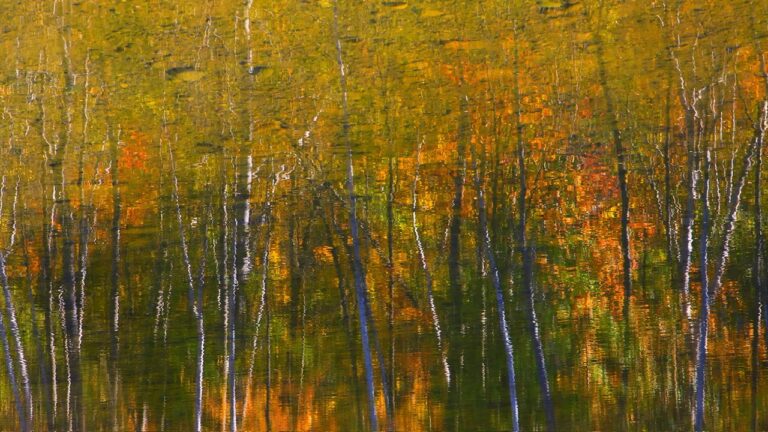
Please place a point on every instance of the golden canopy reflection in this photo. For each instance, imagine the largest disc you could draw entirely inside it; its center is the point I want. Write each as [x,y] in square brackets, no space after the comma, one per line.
[389,215]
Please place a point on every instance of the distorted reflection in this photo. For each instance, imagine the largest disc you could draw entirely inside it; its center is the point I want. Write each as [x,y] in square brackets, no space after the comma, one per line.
[389,215]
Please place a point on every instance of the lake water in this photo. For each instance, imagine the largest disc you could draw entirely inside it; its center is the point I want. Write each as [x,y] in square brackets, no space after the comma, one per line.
[394,215]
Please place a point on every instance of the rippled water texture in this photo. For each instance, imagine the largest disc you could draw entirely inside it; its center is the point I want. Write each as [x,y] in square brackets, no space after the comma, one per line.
[331,215]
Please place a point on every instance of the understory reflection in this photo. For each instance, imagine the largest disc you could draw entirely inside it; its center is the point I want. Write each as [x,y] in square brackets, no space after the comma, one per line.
[383,216]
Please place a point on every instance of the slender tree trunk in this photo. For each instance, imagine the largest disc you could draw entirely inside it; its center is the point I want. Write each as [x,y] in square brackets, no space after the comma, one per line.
[195,305]
[9,366]
[358,270]
[621,165]
[427,273]
[701,350]
[527,253]
[500,302]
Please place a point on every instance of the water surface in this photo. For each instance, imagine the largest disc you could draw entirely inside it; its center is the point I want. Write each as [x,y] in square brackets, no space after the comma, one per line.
[340,216]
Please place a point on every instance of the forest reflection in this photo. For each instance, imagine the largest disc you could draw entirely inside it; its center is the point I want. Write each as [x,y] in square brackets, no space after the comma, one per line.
[390,215]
